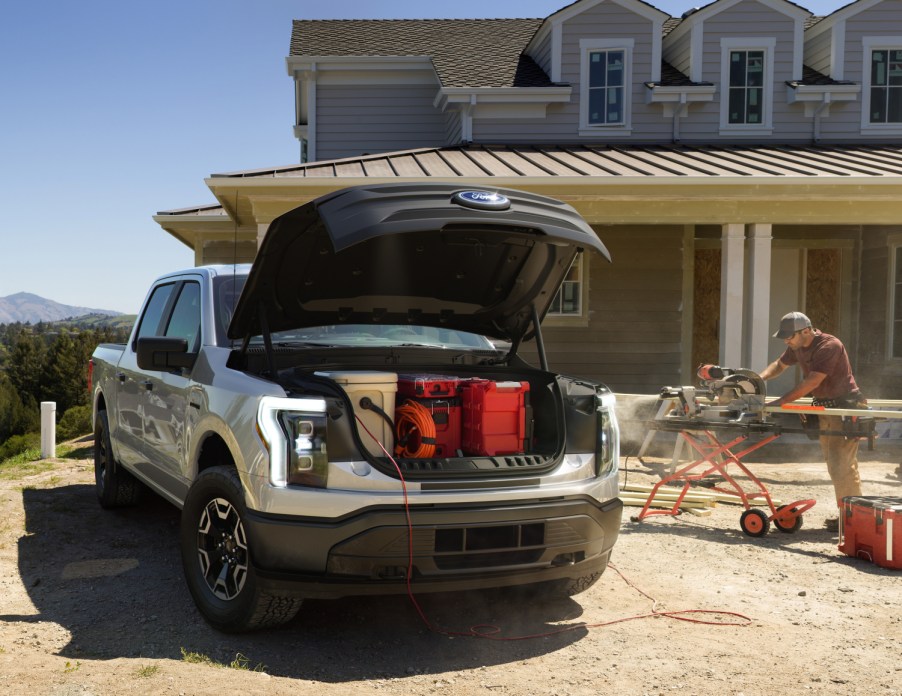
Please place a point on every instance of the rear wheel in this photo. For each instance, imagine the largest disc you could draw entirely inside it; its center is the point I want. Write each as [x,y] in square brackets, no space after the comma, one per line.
[216,557]
[115,486]
[792,523]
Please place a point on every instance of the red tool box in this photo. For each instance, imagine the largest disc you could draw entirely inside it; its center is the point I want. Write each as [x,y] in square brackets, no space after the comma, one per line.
[871,528]
[440,396]
[495,417]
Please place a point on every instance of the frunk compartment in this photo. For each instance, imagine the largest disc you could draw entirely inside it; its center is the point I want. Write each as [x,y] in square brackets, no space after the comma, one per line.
[497,419]
[428,416]
[380,388]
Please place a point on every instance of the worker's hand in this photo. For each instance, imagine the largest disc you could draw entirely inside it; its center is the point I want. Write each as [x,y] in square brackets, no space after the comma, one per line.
[776,403]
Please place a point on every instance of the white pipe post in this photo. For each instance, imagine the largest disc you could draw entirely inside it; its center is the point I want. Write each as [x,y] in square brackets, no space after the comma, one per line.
[48,429]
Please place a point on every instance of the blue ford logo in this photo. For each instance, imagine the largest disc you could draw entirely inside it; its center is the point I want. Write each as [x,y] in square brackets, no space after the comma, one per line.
[481,200]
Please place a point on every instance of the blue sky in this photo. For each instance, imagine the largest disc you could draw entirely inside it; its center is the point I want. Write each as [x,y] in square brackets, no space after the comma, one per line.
[113,110]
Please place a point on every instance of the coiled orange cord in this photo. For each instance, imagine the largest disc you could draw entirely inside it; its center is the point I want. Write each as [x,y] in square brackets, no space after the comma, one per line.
[414,431]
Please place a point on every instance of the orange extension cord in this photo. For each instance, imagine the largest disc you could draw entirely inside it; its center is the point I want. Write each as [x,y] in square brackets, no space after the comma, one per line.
[414,431]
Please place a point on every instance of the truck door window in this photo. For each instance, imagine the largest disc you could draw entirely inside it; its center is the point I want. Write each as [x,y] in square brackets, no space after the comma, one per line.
[185,319]
[153,314]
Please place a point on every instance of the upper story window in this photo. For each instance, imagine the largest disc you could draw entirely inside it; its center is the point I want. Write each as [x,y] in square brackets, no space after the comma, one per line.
[886,86]
[606,100]
[747,86]
[882,89]
[605,86]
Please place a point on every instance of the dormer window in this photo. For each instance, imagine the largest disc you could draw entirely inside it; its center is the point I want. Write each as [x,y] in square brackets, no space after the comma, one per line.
[605,86]
[886,86]
[746,87]
[881,90]
[747,72]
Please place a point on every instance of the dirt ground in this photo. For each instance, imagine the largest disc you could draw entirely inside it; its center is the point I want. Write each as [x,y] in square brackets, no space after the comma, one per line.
[93,602]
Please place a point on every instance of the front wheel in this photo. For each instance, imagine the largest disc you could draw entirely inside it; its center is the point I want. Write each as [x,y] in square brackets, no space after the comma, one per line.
[793,522]
[754,522]
[216,557]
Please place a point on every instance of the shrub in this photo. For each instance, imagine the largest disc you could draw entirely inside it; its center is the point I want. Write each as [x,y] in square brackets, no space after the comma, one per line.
[18,444]
[75,422]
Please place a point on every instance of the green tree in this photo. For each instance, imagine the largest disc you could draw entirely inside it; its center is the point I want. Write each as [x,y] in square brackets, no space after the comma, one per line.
[25,365]
[16,417]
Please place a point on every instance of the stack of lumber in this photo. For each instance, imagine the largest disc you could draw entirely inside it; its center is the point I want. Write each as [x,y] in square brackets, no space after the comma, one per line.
[697,501]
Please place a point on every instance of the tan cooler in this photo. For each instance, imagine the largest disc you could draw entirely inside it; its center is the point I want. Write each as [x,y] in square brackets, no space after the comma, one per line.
[380,387]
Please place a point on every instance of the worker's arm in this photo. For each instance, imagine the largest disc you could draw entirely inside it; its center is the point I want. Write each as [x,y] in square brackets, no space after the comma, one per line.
[775,369]
[803,388]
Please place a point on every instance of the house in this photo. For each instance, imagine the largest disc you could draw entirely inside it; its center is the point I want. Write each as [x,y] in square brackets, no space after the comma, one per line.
[740,161]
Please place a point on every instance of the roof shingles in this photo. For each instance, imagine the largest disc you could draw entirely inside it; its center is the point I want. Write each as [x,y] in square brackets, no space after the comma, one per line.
[465,52]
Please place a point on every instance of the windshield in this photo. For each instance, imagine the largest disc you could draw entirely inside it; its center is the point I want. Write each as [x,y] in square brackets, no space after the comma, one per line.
[370,335]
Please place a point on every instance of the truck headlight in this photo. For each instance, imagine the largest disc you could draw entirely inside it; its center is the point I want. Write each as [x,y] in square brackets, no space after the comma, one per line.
[607,447]
[294,433]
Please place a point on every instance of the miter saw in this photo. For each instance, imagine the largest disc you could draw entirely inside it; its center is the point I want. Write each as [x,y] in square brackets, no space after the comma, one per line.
[724,395]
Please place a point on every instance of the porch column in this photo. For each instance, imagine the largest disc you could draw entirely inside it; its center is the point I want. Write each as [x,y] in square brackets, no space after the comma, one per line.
[758,306]
[732,261]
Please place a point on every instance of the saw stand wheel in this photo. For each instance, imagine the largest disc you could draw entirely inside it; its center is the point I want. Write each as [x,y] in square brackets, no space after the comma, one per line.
[754,522]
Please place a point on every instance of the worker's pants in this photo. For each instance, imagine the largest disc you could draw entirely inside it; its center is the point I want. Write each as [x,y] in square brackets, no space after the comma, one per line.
[842,459]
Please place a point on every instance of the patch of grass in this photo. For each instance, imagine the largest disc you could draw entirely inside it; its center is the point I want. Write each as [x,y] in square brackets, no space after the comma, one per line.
[240,662]
[24,464]
[149,670]
[72,667]
[197,658]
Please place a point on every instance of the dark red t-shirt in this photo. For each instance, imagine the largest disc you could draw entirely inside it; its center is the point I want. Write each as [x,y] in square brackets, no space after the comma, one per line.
[828,355]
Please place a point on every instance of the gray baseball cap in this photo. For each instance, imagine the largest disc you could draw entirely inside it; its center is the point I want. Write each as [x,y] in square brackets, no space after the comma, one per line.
[792,322]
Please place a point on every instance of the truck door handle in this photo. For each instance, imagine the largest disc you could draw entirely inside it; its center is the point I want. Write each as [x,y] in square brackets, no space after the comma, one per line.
[147,385]
[120,376]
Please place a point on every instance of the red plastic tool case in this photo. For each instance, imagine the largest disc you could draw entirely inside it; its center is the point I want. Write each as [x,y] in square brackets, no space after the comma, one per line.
[871,528]
[495,420]
[440,394]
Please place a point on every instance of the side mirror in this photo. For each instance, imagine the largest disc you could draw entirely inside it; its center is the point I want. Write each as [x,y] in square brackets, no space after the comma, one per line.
[164,353]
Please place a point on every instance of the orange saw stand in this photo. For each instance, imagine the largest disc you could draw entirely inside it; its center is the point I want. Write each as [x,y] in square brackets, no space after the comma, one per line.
[717,456]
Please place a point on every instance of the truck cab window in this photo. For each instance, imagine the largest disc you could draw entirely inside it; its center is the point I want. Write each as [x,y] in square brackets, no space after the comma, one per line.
[150,321]
[185,319]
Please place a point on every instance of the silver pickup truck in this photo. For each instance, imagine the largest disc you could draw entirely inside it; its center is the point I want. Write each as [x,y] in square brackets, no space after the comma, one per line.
[350,414]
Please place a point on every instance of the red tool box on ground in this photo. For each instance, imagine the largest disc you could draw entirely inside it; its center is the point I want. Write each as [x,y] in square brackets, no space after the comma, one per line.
[495,417]
[440,396]
[871,528]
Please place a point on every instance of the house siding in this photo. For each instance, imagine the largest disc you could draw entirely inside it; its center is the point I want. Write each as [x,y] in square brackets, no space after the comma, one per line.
[541,53]
[678,52]
[357,119]
[817,52]
[633,341]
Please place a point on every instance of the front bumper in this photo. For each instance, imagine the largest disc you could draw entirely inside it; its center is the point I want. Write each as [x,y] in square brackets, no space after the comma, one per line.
[454,547]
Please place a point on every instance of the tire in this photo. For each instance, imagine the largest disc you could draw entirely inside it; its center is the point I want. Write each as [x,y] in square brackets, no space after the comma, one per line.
[216,558]
[790,528]
[115,487]
[754,522]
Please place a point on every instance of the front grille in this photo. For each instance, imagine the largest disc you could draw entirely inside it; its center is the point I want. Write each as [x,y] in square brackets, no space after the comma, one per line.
[525,463]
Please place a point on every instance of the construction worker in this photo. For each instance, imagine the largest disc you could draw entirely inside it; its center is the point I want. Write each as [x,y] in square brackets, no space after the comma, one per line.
[827,378]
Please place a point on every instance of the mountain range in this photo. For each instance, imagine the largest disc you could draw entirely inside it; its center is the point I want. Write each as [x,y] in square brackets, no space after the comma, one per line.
[28,308]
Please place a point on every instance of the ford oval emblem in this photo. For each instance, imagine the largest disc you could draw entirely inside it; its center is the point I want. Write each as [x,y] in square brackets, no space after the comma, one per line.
[481,200]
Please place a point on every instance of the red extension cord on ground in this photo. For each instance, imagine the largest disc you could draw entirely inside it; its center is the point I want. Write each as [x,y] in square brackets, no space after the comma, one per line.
[492,632]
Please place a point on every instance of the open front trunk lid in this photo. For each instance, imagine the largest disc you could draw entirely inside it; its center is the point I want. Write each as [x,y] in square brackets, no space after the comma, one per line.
[429,254]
